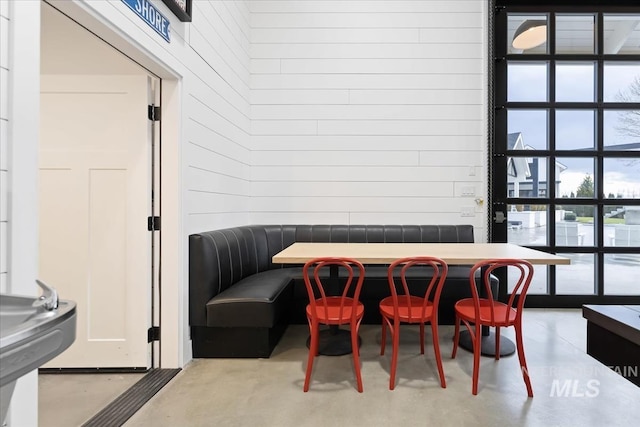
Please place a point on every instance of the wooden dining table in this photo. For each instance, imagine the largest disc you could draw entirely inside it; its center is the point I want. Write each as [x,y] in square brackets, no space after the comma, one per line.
[451,253]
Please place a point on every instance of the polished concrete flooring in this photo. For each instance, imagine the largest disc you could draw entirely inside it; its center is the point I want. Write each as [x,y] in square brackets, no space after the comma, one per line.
[570,388]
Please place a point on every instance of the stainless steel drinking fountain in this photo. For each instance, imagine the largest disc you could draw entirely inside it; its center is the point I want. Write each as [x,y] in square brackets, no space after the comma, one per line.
[33,330]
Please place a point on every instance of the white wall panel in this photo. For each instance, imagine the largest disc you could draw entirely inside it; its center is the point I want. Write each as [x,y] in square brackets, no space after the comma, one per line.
[299,97]
[365,20]
[204,41]
[197,222]
[4,143]
[360,204]
[399,127]
[213,181]
[330,173]
[385,6]
[396,90]
[433,112]
[354,189]
[284,127]
[231,21]
[450,158]
[4,154]
[451,35]
[280,216]
[365,142]
[203,202]
[369,50]
[206,159]
[334,158]
[266,66]
[381,66]
[334,35]
[364,81]
[400,217]
[418,96]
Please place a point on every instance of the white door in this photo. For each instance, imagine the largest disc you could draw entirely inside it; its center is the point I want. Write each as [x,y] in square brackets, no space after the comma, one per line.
[95,197]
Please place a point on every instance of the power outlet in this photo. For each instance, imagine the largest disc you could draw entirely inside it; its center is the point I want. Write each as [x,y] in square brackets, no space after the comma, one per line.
[467,211]
[468,191]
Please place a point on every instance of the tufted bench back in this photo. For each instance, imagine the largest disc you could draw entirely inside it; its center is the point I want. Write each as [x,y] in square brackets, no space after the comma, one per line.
[220,258]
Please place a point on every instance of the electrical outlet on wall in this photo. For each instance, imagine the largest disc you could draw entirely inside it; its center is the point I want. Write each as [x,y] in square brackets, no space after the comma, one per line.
[467,211]
[468,191]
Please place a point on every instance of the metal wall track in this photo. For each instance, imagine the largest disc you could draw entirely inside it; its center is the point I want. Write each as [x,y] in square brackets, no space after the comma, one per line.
[124,406]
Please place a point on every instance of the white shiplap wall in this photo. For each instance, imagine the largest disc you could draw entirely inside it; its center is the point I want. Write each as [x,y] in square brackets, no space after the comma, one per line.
[217,132]
[4,144]
[368,111]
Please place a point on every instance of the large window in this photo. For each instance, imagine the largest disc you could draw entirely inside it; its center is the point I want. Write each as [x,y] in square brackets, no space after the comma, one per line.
[566,148]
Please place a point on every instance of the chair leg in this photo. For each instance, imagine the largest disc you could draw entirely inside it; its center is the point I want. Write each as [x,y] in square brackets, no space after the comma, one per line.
[477,348]
[383,337]
[421,338]
[313,350]
[395,337]
[497,342]
[456,337]
[436,349]
[523,362]
[355,350]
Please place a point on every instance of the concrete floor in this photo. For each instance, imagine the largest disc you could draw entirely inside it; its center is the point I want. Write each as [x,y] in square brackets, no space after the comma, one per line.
[268,392]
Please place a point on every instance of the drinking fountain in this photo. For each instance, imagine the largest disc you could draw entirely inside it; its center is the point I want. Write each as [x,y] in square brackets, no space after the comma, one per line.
[33,330]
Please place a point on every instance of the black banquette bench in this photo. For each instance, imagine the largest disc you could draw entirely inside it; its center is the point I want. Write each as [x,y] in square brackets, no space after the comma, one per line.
[240,303]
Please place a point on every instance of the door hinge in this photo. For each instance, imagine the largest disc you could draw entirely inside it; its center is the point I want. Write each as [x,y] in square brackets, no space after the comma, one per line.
[153,334]
[153,223]
[154,113]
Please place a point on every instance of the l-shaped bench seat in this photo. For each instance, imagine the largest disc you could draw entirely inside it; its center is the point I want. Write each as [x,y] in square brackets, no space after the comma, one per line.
[240,302]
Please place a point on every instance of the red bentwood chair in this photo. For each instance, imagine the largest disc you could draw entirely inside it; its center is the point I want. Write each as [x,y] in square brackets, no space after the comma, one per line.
[343,309]
[402,307]
[486,311]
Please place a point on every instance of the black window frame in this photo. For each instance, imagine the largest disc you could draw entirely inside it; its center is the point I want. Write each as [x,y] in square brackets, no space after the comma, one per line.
[499,153]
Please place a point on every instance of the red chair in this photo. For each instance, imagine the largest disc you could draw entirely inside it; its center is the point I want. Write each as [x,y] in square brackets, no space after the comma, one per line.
[486,311]
[343,309]
[402,307]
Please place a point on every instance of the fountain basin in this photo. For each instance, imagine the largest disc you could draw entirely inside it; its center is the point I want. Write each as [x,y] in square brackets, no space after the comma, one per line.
[33,330]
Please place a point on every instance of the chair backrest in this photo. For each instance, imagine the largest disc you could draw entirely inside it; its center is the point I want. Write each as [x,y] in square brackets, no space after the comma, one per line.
[431,270]
[523,271]
[317,284]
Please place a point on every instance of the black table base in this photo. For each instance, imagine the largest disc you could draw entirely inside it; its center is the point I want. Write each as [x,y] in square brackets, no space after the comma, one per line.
[488,344]
[334,342]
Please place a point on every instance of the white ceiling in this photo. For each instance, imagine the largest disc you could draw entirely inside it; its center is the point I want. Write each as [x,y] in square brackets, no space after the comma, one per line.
[68,48]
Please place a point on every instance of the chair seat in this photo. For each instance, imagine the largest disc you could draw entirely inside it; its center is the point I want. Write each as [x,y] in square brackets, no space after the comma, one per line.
[331,314]
[466,310]
[413,314]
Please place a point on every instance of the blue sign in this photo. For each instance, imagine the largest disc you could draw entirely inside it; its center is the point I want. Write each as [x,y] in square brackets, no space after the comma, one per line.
[151,15]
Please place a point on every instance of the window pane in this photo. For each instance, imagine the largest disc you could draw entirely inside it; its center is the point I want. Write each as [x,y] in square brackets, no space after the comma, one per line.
[621,274]
[621,35]
[622,130]
[621,226]
[527,177]
[527,224]
[622,82]
[574,34]
[527,34]
[575,129]
[622,178]
[527,129]
[578,277]
[575,177]
[575,227]
[527,82]
[575,82]
[538,282]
